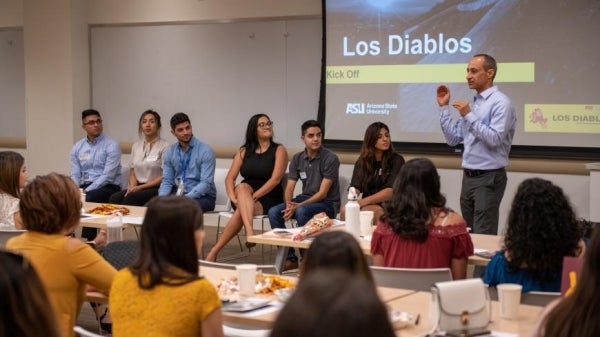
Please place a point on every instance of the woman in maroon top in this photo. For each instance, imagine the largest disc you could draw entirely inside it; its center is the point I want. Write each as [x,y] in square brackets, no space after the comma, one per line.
[417,230]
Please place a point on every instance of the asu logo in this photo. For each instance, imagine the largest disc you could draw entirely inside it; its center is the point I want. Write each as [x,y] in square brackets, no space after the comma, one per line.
[355,109]
[537,117]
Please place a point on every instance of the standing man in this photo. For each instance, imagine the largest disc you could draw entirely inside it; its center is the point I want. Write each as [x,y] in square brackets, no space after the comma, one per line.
[318,169]
[189,166]
[95,163]
[486,128]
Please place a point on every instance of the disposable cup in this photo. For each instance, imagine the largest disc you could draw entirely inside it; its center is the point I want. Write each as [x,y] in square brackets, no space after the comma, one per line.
[366,223]
[509,295]
[246,278]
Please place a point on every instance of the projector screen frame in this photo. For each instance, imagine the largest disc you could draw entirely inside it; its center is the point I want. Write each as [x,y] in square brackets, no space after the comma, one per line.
[517,151]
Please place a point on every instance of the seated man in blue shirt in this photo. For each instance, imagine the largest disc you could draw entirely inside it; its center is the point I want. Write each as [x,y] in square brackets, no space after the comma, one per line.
[318,169]
[189,166]
[95,163]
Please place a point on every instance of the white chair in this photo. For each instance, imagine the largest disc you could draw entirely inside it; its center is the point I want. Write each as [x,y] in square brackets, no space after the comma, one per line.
[234,331]
[84,333]
[264,268]
[410,278]
[228,213]
[539,298]
[344,185]
[536,298]
[225,216]
[6,234]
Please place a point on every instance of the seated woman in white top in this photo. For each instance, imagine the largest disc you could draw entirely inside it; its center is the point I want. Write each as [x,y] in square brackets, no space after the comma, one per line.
[145,172]
[13,176]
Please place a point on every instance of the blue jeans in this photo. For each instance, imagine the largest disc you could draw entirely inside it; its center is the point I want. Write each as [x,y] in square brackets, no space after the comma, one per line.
[302,215]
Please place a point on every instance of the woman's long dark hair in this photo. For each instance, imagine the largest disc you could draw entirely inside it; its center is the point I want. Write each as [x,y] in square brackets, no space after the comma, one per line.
[333,303]
[168,253]
[542,229]
[366,159]
[416,194]
[251,142]
[24,309]
[10,172]
[577,314]
[336,250]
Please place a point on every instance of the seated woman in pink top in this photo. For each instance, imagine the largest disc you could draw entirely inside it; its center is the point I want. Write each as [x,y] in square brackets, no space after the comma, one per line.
[417,230]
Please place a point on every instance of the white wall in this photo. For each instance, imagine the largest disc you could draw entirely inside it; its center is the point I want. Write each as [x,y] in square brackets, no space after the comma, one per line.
[139,11]
[11,13]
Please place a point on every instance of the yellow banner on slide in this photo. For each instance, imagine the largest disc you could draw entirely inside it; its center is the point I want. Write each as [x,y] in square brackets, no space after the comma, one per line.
[564,118]
[523,72]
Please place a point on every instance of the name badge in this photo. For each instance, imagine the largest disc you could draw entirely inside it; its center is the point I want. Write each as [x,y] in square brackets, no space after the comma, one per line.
[302,175]
[151,158]
[85,156]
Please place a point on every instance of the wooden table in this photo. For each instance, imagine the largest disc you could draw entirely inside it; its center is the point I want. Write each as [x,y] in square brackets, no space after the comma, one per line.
[490,243]
[266,318]
[418,304]
[132,219]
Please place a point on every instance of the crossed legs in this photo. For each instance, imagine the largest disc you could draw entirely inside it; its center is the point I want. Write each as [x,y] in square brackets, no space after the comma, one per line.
[246,209]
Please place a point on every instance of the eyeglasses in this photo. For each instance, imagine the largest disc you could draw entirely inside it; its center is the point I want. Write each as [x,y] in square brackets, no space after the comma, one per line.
[264,125]
[95,122]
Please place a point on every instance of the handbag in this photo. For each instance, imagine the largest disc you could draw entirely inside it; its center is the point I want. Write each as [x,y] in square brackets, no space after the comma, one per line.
[460,307]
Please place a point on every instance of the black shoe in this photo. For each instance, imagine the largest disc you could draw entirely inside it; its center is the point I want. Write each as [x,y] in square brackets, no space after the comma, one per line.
[289,265]
[106,327]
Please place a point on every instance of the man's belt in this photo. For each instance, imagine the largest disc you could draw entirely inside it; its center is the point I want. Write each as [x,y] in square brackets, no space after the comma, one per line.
[476,173]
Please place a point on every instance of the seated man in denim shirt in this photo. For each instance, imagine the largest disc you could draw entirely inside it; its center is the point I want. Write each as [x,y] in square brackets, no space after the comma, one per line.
[189,166]
[95,163]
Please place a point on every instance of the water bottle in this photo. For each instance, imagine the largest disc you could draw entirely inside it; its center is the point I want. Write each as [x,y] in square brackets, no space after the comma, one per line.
[82,197]
[114,228]
[353,214]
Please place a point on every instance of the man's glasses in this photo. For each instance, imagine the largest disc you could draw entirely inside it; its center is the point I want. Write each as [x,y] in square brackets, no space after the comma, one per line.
[95,122]
[264,125]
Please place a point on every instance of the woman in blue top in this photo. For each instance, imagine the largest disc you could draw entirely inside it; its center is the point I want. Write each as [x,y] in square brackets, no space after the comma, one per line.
[262,163]
[542,229]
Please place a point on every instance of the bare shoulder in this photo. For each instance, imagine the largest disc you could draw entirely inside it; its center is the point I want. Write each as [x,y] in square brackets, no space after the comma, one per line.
[449,217]
[454,217]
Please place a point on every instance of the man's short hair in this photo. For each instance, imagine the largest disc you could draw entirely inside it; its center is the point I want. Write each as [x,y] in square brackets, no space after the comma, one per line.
[179,118]
[309,124]
[89,112]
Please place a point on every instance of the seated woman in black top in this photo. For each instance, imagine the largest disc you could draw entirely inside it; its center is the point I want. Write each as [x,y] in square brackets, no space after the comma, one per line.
[262,163]
[375,170]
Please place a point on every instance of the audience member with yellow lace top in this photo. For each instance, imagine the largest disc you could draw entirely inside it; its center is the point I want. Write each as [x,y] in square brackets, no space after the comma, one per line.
[170,299]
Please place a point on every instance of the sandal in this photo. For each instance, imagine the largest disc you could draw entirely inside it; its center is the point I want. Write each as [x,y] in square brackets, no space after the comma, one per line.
[106,326]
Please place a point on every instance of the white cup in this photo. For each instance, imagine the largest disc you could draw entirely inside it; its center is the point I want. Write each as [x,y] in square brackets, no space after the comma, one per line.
[366,223]
[246,278]
[82,196]
[509,295]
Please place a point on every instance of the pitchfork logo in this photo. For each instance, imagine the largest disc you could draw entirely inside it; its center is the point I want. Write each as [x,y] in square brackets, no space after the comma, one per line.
[537,117]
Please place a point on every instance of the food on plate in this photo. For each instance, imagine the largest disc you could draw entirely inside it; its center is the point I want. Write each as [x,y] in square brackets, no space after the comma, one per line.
[109,209]
[268,284]
[318,223]
[228,288]
[401,319]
